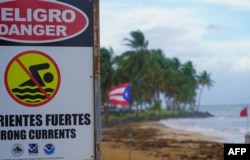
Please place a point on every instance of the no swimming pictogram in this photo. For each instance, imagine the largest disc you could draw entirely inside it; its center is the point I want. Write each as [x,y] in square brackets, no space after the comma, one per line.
[32,78]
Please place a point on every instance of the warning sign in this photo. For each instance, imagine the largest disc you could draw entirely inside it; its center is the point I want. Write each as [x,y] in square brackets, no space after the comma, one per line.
[32,78]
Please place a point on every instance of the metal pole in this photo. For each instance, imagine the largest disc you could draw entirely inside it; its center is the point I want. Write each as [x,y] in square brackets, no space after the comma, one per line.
[98,139]
[129,140]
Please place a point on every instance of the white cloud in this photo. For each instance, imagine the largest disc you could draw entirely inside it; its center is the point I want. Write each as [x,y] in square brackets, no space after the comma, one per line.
[117,25]
[241,65]
[238,3]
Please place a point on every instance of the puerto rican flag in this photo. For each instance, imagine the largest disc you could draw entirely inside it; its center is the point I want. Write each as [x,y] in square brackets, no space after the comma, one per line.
[120,94]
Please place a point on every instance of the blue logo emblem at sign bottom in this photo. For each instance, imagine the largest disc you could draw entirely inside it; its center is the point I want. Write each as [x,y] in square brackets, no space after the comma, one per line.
[49,149]
[33,148]
[17,150]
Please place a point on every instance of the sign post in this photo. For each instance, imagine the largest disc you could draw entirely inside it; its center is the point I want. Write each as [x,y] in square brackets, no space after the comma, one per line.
[50,87]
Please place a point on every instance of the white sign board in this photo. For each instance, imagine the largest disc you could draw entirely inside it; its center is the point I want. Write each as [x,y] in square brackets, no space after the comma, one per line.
[47,87]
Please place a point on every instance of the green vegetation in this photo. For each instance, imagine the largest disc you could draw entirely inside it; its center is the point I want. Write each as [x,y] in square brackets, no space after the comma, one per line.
[152,74]
[149,114]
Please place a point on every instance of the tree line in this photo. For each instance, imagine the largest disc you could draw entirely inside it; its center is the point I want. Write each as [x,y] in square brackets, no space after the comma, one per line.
[154,78]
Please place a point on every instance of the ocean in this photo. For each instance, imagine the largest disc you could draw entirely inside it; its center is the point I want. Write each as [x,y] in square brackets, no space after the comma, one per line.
[226,123]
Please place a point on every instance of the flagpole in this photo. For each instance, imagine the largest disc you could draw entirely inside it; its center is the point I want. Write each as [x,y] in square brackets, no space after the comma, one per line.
[247,136]
[130,132]
[129,141]
[247,122]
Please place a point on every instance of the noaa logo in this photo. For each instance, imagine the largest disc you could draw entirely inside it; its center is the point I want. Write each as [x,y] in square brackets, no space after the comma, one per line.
[49,149]
[17,150]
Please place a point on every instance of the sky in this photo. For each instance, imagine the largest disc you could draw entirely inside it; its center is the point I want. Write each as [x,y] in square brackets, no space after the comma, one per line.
[213,34]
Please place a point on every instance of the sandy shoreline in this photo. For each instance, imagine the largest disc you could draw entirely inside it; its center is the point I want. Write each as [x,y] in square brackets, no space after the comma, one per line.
[153,141]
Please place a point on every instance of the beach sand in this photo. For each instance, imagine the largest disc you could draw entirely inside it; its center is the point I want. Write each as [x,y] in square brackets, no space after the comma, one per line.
[153,141]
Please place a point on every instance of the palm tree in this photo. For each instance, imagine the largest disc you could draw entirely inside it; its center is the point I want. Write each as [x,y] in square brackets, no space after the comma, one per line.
[138,40]
[152,84]
[187,86]
[135,62]
[203,80]
[171,82]
[107,71]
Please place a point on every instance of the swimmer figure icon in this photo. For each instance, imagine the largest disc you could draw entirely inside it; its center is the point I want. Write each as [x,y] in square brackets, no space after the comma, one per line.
[32,78]
[47,77]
